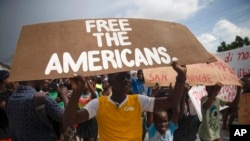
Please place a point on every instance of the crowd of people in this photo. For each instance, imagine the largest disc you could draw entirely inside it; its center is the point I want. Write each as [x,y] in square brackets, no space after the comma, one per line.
[116,106]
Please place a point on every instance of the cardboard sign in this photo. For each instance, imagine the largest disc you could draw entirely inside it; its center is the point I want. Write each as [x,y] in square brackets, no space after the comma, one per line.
[244,109]
[101,46]
[227,93]
[197,74]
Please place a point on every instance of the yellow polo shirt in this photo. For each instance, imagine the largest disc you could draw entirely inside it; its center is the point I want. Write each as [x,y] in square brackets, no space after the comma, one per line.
[119,123]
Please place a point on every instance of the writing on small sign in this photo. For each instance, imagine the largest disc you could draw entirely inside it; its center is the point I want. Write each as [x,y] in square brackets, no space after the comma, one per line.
[241,132]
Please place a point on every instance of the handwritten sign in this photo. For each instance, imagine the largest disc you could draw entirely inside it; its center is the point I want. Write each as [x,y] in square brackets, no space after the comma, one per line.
[100,46]
[195,94]
[238,59]
[244,109]
[197,74]
[227,93]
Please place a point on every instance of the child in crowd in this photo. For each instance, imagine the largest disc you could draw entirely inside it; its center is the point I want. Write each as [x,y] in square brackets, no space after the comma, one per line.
[162,128]
[209,128]
[162,124]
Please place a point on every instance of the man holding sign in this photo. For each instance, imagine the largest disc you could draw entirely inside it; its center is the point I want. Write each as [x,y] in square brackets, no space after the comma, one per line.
[119,115]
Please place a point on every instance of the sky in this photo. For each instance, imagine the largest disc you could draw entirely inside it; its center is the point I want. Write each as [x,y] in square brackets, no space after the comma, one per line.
[211,21]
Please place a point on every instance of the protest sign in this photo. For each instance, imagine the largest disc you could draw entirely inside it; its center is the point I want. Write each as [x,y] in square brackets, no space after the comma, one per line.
[227,93]
[197,74]
[195,94]
[101,46]
[238,59]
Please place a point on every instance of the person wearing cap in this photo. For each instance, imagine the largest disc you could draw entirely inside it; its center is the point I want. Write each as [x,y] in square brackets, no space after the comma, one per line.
[133,73]
[4,94]
[119,115]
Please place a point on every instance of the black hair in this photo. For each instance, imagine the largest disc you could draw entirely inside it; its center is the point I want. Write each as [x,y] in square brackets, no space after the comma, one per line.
[139,70]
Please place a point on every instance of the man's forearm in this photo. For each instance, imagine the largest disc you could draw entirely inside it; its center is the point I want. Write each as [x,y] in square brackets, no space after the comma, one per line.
[69,117]
[178,91]
[174,98]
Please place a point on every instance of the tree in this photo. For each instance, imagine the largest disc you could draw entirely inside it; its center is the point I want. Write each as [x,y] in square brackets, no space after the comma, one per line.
[246,41]
[239,42]
[222,47]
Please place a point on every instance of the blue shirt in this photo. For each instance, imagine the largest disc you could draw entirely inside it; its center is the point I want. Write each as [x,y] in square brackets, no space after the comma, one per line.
[25,124]
[138,87]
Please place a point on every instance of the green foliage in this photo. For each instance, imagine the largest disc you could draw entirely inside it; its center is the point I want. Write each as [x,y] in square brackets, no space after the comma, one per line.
[239,42]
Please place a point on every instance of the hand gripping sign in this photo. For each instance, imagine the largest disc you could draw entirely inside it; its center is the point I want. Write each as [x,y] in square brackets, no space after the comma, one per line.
[100,46]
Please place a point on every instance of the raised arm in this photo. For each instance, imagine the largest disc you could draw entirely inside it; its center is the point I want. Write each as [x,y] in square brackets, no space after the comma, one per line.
[184,100]
[71,114]
[64,95]
[177,92]
[155,92]
[178,111]
[91,88]
[212,91]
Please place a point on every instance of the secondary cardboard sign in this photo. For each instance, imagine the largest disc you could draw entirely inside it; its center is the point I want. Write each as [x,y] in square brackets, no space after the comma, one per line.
[244,109]
[197,74]
[100,46]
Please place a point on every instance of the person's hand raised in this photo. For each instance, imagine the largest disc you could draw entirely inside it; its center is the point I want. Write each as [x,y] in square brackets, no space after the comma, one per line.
[63,91]
[181,70]
[77,83]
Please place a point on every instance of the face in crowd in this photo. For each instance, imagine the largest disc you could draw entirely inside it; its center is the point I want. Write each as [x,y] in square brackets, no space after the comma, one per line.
[140,75]
[161,121]
[120,81]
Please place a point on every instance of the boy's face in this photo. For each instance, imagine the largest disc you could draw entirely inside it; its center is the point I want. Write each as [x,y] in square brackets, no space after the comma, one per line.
[161,121]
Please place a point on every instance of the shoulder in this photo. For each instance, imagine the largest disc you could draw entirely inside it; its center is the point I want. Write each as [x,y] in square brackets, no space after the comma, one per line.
[134,80]
[101,98]
[133,96]
[172,126]
[151,131]
[95,102]
[140,97]
[144,97]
